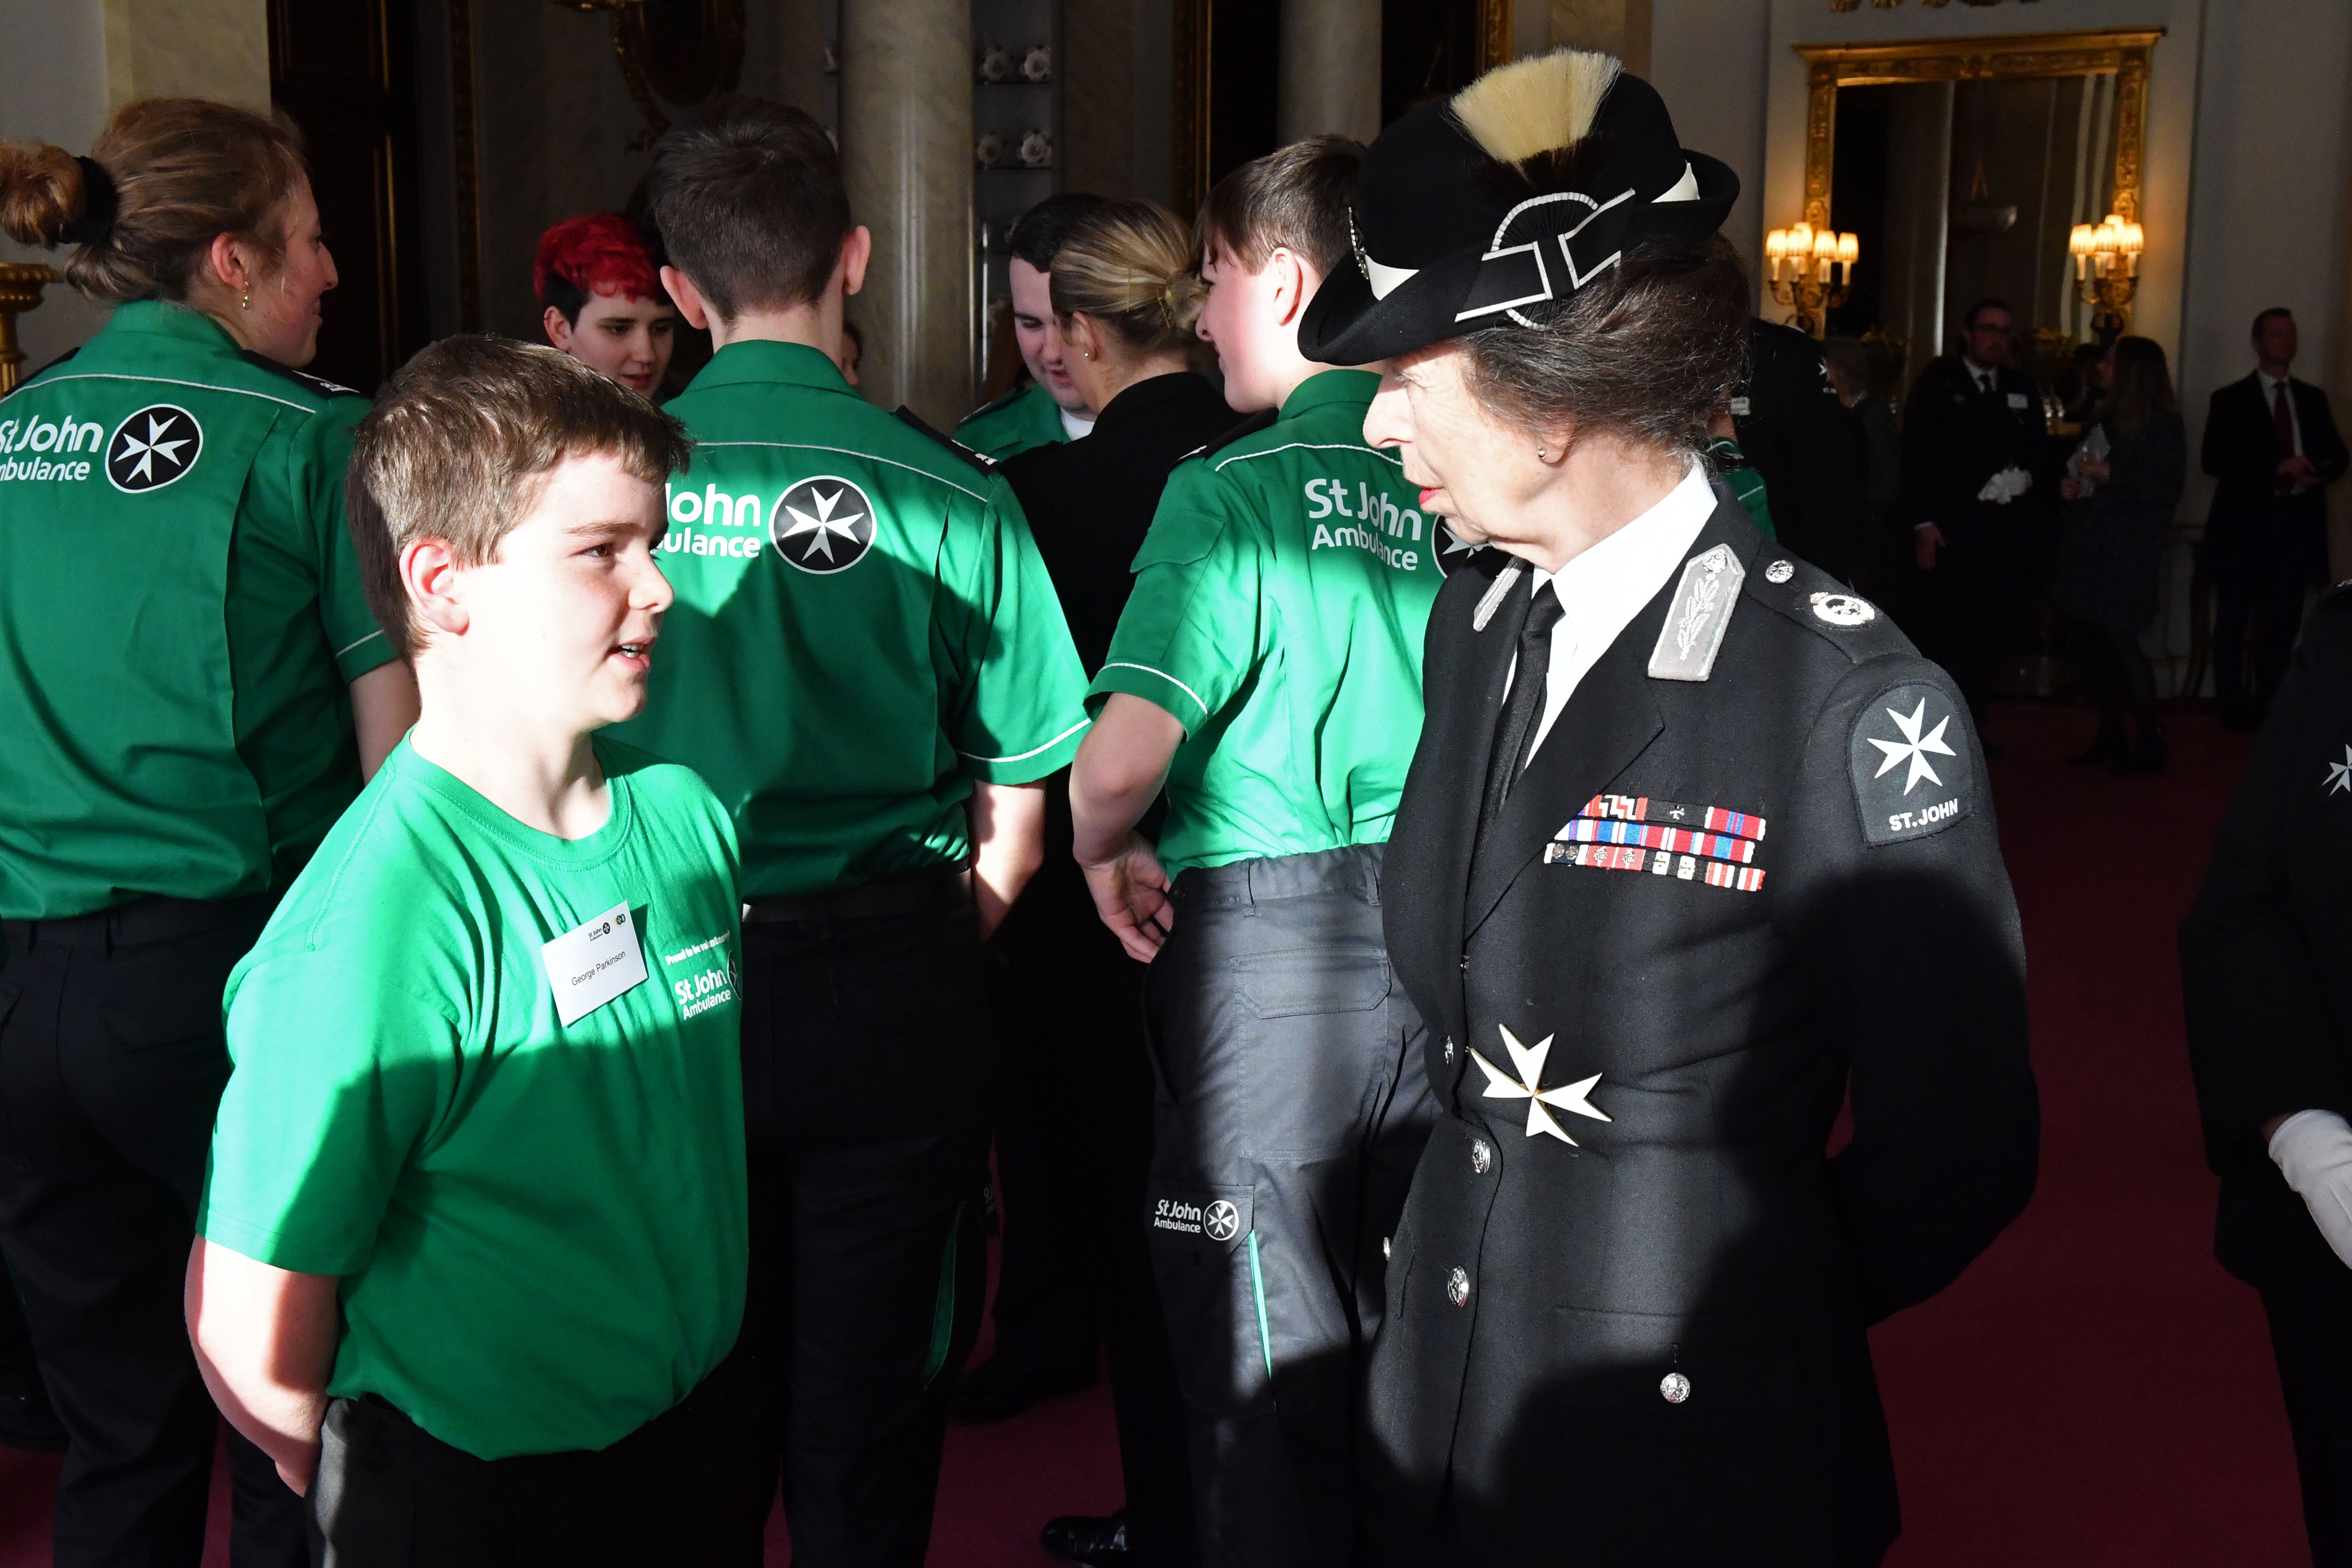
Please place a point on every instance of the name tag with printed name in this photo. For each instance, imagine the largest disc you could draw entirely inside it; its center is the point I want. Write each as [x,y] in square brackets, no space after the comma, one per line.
[591,964]
[2017,400]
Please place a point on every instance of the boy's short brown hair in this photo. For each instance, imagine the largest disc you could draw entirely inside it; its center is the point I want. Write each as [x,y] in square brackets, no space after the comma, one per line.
[751,206]
[463,439]
[1295,198]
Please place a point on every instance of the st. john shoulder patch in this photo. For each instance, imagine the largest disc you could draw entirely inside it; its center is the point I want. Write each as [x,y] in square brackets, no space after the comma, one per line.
[1913,759]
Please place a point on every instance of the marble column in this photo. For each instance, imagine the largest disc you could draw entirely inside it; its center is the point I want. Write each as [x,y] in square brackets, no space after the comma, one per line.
[906,146]
[1329,74]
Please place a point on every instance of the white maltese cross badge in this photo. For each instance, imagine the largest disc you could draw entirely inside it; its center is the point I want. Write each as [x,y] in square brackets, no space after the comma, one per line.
[1529,1086]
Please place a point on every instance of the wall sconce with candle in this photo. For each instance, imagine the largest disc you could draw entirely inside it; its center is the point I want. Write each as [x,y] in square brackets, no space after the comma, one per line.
[1807,254]
[2106,270]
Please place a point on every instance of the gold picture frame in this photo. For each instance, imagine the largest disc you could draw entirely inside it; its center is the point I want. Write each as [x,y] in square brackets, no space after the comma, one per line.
[2126,51]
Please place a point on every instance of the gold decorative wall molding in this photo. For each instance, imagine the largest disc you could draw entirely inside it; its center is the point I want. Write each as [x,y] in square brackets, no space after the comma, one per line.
[2125,52]
[21,283]
[1494,33]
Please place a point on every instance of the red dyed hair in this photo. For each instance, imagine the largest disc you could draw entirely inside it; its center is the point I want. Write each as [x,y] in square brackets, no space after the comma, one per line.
[593,253]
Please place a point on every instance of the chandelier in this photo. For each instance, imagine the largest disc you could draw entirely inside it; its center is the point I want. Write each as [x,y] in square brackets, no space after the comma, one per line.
[2106,269]
[1808,255]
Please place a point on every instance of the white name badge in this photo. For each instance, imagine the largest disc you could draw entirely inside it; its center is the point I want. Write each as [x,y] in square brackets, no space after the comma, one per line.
[590,965]
[2017,400]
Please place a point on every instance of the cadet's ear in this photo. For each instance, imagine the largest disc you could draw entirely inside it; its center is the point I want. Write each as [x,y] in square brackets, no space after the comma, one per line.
[428,571]
[857,250]
[557,330]
[690,303]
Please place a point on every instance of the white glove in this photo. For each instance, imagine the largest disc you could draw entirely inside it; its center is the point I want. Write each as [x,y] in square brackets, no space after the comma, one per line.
[2313,1148]
[2006,486]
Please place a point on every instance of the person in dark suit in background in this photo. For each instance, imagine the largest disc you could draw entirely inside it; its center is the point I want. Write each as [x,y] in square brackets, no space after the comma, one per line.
[1884,559]
[1977,481]
[1629,1294]
[1071,1004]
[2271,447]
[2125,485]
[2266,978]
[1811,455]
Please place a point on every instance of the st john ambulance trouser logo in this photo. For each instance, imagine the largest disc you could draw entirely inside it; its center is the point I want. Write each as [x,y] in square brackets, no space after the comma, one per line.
[153,447]
[823,525]
[1223,1221]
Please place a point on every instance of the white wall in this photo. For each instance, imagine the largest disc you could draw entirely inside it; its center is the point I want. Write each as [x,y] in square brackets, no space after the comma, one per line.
[1708,59]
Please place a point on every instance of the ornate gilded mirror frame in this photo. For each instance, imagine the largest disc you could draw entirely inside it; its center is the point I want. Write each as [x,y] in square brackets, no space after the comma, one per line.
[2124,52]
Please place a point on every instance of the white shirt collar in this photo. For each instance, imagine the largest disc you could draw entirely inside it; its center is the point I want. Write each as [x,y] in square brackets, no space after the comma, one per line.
[1604,588]
[1076,428]
[2269,381]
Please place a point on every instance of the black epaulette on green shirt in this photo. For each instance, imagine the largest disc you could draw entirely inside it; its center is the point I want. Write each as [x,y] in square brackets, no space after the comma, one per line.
[1249,427]
[914,421]
[316,385]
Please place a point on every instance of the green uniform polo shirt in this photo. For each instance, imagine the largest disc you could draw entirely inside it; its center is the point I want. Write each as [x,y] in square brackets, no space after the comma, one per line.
[180,611]
[539,1227]
[863,628]
[1023,419]
[1279,604]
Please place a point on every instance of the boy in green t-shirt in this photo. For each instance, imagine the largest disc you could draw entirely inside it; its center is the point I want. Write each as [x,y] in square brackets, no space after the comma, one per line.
[472,1246]
[1266,672]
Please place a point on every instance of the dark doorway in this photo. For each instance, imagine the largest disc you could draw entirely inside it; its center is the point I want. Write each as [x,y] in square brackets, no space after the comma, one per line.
[1244,49]
[1428,48]
[344,70]
[1859,177]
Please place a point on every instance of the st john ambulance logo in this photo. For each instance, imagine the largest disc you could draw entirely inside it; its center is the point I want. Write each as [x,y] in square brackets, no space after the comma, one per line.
[153,447]
[1223,1223]
[823,525]
[1910,754]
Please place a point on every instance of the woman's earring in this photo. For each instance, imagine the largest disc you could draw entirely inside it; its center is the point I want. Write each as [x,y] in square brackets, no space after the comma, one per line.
[246,303]
[1540,456]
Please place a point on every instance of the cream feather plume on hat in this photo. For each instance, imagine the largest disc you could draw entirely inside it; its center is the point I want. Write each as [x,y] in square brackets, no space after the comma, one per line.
[1532,107]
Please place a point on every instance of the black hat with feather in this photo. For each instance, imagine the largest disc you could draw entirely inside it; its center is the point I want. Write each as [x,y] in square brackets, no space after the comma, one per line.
[1498,204]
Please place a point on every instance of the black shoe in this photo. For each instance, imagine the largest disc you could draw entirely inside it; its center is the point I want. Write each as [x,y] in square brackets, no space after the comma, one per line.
[28,1422]
[999,1389]
[2151,757]
[1086,1540]
[2108,748]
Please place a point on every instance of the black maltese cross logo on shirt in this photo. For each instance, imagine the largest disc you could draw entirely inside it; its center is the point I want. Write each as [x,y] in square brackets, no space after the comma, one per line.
[153,447]
[823,525]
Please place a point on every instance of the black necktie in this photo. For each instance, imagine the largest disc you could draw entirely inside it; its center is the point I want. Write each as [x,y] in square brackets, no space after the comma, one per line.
[1515,732]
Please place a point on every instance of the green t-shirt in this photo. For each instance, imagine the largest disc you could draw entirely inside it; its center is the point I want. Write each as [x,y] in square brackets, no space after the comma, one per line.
[862,628]
[539,1225]
[1279,604]
[1021,419]
[180,610]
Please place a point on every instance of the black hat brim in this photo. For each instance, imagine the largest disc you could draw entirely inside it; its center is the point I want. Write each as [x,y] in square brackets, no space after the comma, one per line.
[1344,323]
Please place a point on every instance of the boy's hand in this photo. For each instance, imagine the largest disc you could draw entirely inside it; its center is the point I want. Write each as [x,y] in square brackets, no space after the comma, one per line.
[1131,892]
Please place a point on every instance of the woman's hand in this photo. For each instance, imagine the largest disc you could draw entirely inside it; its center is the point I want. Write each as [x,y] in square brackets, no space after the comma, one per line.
[2095,470]
[1130,893]
[2069,488]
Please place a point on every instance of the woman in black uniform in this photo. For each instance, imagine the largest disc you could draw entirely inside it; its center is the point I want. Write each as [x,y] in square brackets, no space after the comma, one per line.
[191,688]
[1125,302]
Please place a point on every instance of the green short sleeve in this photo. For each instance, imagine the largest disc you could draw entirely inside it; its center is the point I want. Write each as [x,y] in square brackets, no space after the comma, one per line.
[318,459]
[1190,633]
[1016,706]
[339,1074]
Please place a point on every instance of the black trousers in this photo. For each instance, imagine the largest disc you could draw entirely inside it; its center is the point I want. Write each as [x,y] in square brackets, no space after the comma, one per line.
[2261,592]
[866,1076]
[1968,608]
[2116,670]
[1292,1110]
[391,1495]
[111,1065]
[2311,1338]
[1069,1009]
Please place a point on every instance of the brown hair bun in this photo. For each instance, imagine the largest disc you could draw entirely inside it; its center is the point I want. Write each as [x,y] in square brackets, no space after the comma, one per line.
[41,193]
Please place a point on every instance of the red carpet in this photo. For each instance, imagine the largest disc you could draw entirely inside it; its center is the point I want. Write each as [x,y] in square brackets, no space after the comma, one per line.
[2094,1391]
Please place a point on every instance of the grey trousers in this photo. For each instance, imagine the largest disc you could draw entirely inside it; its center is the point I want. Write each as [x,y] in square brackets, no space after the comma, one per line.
[1291,1109]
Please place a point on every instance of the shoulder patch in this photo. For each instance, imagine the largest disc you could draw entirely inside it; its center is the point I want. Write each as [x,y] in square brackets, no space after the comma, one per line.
[1699,616]
[316,385]
[914,421]
[44,370]
[1248,428]
[1913,758]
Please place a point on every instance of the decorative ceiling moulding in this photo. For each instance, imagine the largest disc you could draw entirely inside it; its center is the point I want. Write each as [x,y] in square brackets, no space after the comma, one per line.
[2126,52]
[1930,5]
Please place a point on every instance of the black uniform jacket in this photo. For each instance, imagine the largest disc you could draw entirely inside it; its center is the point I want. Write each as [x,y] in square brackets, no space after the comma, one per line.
[1540,1293]
[2266,963]
[1809,448]
[1956,436]
[2248,515]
